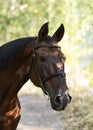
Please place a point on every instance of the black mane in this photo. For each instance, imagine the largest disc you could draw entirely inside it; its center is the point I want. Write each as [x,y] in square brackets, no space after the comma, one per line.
[12,48]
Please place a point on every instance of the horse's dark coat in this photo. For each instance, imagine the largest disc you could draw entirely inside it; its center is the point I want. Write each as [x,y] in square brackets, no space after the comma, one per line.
[33,58]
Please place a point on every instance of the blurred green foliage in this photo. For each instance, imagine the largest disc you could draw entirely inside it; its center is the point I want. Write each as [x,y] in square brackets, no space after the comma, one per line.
[19,18]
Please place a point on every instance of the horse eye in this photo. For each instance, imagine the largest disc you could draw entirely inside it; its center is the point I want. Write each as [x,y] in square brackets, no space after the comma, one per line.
[42,58]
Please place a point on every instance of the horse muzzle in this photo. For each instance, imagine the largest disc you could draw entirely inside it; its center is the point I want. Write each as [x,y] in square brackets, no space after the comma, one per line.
[60,101]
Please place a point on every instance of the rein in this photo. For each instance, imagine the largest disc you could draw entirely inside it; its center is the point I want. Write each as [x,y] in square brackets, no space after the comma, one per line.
[34,60]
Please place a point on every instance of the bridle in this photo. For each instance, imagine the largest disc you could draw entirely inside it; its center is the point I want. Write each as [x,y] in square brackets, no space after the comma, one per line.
[34,60]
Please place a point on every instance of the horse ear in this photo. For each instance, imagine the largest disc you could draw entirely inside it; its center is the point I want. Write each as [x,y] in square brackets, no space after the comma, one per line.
[59,33]
[43,32]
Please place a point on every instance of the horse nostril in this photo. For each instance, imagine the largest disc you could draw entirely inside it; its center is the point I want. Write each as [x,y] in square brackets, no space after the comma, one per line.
[58,100]
[62,100]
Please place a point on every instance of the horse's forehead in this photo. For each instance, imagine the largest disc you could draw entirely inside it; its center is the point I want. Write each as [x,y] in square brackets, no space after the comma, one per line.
[52,53]
[48,51]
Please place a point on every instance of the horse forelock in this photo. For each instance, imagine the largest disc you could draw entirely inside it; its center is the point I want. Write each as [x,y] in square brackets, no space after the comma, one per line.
[49,39]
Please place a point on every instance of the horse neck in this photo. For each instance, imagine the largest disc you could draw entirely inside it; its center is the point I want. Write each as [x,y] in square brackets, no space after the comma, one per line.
[23,66]
[16,73]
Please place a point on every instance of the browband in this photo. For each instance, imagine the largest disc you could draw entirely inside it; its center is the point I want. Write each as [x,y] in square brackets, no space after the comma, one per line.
[47,46]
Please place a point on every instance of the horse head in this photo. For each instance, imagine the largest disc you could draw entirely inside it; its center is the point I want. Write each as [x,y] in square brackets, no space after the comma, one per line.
[47,67]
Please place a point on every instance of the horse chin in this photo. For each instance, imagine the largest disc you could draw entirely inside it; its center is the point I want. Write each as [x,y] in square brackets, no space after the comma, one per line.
[58,108]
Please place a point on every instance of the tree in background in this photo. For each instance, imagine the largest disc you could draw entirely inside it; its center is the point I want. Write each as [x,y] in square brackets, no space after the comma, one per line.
[20,18]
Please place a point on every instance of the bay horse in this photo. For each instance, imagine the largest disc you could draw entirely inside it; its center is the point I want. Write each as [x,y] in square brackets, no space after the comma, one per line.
[39,59]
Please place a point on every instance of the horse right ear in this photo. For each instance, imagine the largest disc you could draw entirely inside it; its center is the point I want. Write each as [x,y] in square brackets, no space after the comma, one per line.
[43,32]
[58,35]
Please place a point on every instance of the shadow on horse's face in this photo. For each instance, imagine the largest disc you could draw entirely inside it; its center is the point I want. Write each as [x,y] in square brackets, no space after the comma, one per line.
[47,68]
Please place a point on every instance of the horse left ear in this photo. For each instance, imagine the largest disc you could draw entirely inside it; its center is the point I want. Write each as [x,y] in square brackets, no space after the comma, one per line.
[43,32]
[58,35]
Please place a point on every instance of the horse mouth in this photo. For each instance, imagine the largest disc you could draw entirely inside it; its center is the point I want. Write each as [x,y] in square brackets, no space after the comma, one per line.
[58,107]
